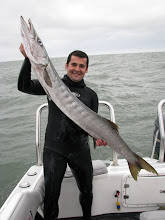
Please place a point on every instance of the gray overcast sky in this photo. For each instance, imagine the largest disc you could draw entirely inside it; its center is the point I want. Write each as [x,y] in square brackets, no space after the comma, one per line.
[94,26]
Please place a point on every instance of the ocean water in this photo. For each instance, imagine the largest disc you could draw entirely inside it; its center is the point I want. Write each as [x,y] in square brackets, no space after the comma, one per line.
[133,83]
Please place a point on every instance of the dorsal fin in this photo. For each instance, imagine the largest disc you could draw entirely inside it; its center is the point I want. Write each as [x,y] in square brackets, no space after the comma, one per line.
[112,124]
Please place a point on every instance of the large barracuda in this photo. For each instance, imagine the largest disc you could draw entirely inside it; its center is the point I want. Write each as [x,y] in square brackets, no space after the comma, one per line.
[70,105]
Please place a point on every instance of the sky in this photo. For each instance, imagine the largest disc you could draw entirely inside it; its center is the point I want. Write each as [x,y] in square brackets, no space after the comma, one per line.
[94,26]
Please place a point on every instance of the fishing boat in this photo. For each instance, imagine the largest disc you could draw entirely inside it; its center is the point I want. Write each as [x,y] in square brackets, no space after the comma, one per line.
[115,191]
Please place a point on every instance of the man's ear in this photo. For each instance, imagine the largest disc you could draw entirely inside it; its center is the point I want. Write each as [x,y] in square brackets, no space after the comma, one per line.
[66,66]
[87,70]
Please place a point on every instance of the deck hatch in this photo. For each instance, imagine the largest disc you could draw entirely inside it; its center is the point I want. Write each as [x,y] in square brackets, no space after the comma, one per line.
[146,191]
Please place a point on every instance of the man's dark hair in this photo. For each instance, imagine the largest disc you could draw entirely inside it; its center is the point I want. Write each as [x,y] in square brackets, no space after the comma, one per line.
[78,53]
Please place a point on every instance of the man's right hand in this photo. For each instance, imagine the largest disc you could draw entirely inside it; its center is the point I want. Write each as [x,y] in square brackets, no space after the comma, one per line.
[21,48]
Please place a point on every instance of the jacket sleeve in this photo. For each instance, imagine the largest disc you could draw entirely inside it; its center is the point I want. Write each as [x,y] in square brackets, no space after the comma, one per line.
[25,84]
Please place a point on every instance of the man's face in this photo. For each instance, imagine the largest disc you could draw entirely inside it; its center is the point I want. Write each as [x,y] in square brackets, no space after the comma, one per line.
[76,68]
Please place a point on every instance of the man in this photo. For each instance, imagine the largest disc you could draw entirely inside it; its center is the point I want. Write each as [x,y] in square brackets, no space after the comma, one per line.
[65,142]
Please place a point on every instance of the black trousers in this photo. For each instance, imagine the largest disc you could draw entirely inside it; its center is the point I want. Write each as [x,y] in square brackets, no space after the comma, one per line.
[54,169]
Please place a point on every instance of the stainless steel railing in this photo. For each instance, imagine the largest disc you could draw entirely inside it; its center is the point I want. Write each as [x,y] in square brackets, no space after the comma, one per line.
[162,133]
[38,130]
[38,133]
[112,117]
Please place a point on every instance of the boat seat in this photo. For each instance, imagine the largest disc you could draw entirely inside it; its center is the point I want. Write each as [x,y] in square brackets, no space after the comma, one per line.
[99,167]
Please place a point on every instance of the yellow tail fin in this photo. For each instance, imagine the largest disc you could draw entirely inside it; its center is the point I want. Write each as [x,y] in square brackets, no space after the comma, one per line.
[140,164]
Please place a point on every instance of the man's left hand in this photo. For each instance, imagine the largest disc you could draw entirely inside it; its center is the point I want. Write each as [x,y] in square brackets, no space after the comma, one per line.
[100,142]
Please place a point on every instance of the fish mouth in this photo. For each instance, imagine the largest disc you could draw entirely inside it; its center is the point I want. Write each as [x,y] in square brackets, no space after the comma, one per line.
[27,29]
[24,25]
[30,40]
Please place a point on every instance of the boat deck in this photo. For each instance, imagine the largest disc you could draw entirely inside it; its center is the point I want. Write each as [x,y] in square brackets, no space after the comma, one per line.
[123,216]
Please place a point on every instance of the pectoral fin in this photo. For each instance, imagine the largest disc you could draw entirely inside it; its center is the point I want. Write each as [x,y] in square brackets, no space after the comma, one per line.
[47,78]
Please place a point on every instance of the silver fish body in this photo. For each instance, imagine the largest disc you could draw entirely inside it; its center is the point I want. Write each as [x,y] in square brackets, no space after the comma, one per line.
[70,105]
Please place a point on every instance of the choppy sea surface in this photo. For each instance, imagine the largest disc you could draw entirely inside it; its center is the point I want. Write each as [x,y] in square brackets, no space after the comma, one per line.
[133,83]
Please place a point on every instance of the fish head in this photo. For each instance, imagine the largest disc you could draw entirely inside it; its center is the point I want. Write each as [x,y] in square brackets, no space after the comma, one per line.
[33,45]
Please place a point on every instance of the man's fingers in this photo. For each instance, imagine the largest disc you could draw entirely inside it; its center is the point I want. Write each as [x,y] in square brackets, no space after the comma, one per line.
[100,142]
[21,48]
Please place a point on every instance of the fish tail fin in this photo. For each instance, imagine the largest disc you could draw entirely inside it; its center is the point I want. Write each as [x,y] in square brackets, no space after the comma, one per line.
[140,164]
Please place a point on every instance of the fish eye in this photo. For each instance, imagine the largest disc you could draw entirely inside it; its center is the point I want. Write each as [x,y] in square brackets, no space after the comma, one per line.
[39,42]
